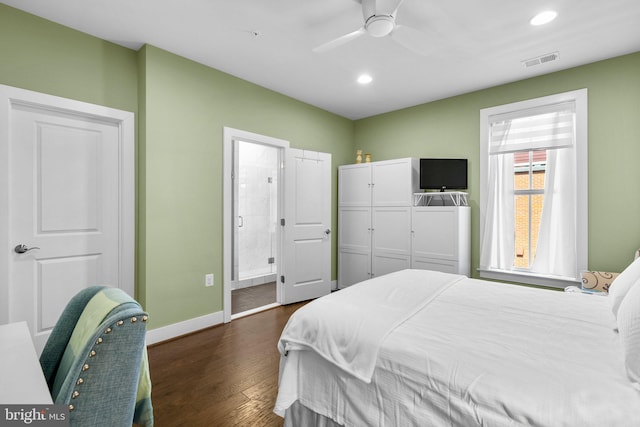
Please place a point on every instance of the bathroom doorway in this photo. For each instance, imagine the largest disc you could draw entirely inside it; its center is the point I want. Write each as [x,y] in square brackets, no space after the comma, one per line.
[257,233]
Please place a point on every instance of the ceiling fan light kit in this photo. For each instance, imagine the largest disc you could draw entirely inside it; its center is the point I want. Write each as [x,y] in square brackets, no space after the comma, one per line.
[380,25]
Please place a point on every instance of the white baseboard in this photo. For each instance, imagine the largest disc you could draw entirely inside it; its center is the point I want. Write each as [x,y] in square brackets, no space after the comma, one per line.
[334,285]
[164,333]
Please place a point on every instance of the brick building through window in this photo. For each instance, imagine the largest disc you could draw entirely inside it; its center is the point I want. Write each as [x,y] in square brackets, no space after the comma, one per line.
[529,175]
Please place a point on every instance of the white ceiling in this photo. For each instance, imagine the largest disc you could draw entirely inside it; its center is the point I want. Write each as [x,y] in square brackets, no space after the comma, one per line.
[471,44]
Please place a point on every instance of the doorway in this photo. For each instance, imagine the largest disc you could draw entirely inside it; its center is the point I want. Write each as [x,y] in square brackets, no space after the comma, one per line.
[302,239]
[256,268]
[256,243]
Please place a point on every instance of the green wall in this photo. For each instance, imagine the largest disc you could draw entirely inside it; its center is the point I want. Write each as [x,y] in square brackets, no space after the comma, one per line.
[181,108]
[39,55]
[185,106]
[451,127]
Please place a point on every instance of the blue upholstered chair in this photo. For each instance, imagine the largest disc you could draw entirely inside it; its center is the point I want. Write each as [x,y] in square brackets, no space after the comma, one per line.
[95,360]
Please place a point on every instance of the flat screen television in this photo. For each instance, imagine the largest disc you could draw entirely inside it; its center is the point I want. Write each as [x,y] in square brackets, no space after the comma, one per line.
[443,174]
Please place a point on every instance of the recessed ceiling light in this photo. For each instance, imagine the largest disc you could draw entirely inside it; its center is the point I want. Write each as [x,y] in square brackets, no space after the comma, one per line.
[364,79]
[543,17]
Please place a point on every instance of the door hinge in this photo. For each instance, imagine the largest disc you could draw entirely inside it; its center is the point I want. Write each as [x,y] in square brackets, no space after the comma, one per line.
[282,222]
[271,260]
[281,279]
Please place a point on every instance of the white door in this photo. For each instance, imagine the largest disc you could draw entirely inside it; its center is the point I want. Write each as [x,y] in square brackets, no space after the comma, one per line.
[306,273]
[70,215]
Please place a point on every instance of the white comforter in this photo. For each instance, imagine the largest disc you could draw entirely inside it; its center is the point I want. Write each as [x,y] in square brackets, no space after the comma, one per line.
[472,353]
[347,328]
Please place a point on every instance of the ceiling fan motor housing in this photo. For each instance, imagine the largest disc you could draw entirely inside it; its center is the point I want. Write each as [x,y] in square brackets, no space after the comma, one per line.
[380,25]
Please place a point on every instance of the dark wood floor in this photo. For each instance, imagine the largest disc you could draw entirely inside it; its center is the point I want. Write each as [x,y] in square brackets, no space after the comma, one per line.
[244,299]
[226,375]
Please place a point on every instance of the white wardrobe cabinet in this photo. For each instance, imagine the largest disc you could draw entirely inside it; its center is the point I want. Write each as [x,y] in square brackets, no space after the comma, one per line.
[441,238]
[374,218]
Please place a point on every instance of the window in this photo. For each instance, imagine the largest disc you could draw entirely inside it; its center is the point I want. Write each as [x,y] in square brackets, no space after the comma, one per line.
[528,190]
[533,201]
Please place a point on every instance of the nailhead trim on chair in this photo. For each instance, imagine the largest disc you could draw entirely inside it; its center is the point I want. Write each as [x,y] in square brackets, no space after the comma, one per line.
[93,353]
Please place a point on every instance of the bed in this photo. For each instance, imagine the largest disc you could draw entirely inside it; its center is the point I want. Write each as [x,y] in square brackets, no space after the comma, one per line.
[424,348]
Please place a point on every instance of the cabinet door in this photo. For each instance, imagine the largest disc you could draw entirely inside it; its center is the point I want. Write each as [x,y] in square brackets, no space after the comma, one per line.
[394,182]
[391,230]
[354,185]
[354,228]
[437,265]
[435,232]
[385,263]
[353,267]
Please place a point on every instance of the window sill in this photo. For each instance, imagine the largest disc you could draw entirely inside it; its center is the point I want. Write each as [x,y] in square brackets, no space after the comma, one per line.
[530,278]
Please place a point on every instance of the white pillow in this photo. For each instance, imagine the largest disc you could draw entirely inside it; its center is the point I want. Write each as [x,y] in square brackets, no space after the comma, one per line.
[623,284]
[629,330]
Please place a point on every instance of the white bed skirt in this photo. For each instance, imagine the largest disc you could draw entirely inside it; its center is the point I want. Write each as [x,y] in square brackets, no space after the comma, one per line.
[298,415]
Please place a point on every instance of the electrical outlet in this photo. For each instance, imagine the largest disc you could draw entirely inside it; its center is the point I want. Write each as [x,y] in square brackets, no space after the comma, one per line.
[208,279]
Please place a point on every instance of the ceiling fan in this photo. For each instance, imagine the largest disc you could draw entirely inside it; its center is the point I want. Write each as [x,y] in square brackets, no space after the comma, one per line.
[380,21]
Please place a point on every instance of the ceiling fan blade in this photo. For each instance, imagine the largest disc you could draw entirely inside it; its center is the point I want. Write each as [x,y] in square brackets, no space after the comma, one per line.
[412,39]
[340,41]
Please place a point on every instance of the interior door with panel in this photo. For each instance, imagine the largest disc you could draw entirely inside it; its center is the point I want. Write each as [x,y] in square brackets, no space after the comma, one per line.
[67,228]
[306,273]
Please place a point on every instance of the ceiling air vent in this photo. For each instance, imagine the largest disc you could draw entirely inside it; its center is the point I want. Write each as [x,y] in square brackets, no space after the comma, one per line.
[549,57]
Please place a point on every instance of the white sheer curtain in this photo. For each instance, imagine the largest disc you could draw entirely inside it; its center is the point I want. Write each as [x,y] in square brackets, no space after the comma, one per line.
[556,251]
[497,246]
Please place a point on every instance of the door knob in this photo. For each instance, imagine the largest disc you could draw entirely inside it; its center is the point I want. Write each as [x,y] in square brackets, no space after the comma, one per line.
[22,248]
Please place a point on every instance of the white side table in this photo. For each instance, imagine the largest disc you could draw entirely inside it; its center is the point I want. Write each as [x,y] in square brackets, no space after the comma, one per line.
[21,375]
